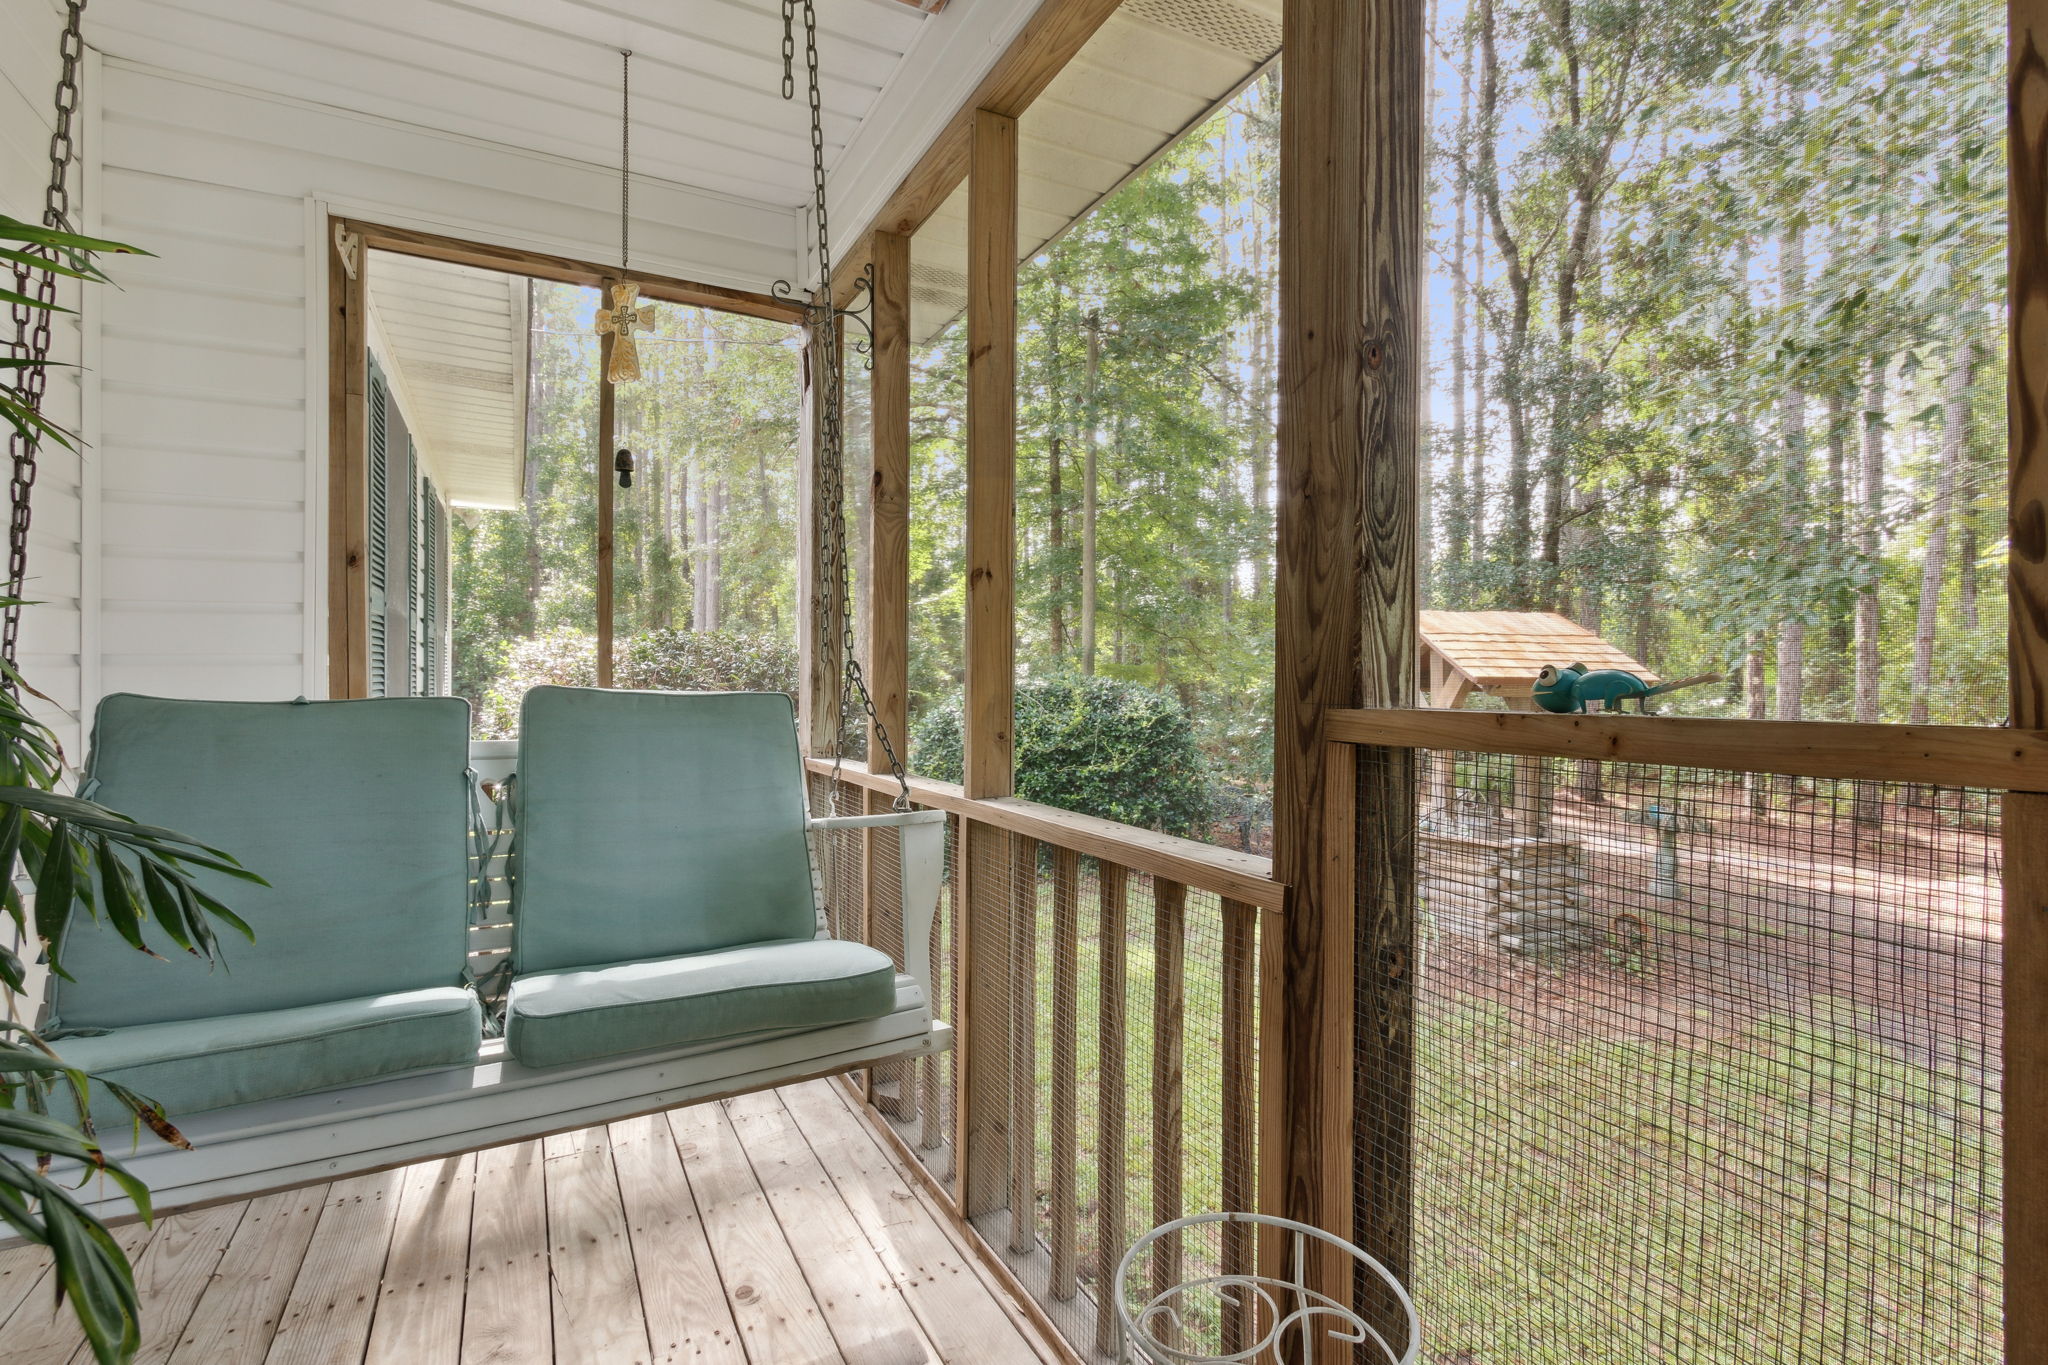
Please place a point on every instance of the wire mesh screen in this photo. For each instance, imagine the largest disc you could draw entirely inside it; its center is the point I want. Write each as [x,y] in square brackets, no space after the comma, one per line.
[1706,1067]
[1115,1085]
[1128,1098]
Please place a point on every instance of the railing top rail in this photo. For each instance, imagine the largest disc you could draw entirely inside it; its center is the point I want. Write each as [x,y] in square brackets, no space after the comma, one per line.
[1936,755]
[1235,876]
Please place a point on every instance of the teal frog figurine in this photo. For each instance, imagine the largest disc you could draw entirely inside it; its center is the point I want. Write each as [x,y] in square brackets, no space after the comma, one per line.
[1576,688]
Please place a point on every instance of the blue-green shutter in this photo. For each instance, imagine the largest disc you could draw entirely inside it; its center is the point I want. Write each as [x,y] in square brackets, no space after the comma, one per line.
[379,548]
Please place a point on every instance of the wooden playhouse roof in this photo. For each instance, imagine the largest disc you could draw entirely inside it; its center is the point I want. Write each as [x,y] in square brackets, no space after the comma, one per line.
[1501,652]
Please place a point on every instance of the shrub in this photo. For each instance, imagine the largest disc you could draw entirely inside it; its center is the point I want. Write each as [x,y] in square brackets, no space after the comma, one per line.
[710,661]
[1093,745]
[671,660]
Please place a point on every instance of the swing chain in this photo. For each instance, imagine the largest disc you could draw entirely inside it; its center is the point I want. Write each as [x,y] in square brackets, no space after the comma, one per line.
[834,588]
[31,340]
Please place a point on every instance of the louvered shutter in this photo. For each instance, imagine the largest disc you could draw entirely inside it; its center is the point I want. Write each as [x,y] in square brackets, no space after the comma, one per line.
[379,549]
[411,493]
[432,541]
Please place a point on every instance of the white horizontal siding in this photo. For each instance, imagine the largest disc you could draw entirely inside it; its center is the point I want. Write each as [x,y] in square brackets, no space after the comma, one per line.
[211,408]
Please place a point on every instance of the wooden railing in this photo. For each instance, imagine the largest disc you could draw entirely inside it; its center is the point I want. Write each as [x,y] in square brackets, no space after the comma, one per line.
[1045,913]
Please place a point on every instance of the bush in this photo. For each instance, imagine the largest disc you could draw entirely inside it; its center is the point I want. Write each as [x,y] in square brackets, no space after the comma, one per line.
[670,660]
[1096,746]
[711,661]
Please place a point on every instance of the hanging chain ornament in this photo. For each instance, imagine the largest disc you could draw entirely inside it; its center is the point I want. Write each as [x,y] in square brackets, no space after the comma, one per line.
[833,589]
[31,339]
[622,317]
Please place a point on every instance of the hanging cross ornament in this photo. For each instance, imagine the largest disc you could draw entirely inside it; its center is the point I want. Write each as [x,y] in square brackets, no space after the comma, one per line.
[623,317]
[620,321]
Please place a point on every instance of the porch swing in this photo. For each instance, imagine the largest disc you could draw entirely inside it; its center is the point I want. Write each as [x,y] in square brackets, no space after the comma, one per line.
[669,904]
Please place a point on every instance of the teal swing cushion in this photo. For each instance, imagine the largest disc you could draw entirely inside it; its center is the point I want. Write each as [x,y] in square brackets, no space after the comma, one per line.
[355,812]
[576,1014]
[654,824]
[663,890]
[193,1065]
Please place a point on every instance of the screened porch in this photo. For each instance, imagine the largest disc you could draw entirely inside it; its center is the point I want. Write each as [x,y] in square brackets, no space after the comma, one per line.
[1138,477]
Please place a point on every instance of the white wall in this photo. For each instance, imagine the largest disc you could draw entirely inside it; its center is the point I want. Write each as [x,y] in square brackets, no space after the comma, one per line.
[212,393]
[51,641]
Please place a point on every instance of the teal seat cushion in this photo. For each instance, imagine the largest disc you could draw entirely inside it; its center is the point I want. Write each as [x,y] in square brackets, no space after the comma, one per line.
[653,824]
[554,1018]
[194,1065]
[357,814]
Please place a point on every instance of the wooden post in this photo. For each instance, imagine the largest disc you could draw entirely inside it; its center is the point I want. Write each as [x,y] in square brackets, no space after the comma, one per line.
[888,633]
[348,479]
[991,454]
[983,1054]
[987,1052]
[1111,1231]
[1351,244]
[818,649]
[607,433]
[1240,1073]
[2024,825]
[1169,1027]
[1066,1068]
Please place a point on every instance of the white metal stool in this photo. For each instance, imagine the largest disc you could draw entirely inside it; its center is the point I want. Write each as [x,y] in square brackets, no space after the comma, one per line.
[1166,1329]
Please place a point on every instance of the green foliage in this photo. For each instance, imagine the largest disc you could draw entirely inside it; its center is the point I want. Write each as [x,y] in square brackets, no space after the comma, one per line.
[667,660]
[1097,746]
[708,661]
[78,857]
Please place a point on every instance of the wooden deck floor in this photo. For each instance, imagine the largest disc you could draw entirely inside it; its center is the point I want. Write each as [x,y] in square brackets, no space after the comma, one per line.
[775,1229]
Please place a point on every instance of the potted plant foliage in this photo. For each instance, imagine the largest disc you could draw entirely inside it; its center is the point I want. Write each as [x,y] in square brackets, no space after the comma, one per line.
[65,856]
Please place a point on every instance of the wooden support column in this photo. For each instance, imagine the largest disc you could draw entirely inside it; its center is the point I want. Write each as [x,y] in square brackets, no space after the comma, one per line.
[607,432]
[987,1048]
[888,633]
[887,637]
[1351,259]
[348,479]
[991,454]
[2025,822]
[818,651]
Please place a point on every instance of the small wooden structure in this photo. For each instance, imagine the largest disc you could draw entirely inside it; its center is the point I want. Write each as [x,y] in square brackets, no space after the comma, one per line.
[1499,653]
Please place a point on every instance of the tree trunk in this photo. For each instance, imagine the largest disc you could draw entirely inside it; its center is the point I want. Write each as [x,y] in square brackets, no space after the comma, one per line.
[1837,549]
[1955,426]
[1089,487]
[1792,434]
[1459,514]
[1867,807]
[1757,785]
[1518,535]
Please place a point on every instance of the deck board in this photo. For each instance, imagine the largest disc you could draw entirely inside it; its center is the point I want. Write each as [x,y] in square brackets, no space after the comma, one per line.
[772,1230]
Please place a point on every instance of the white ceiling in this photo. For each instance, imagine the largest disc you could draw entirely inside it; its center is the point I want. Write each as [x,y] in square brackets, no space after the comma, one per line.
[543,75]
[1156,68]
[454,341]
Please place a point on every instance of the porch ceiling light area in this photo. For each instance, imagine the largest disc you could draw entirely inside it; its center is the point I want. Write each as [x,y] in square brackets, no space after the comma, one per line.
[455,340]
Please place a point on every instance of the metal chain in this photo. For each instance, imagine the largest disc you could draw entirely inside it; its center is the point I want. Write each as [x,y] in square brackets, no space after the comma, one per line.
[625,159]
[834,587]
[31,339]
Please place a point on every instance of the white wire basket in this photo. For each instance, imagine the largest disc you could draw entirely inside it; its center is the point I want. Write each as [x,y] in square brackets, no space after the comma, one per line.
[1176,1326]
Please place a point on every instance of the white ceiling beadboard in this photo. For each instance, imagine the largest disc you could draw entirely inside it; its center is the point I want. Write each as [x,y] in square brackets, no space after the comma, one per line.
[1154,70]
[455,340]
[543,75]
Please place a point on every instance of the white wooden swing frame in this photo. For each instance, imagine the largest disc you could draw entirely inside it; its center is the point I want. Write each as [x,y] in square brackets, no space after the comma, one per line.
[278,1144]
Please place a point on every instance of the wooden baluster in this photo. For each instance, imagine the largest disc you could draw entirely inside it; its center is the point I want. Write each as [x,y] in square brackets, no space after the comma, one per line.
[1240,1106]
[932,1095]
[1112,890]
[892,1084]
[1169,1017]
[1024,1042]
[984,946]
[1066,990]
